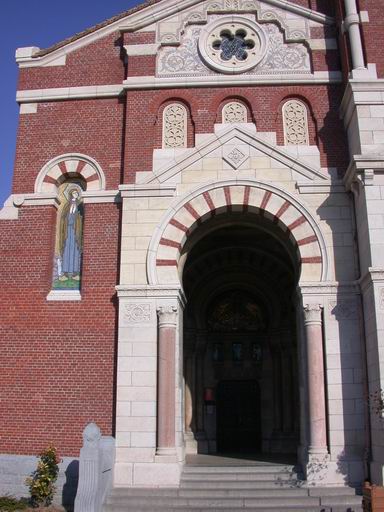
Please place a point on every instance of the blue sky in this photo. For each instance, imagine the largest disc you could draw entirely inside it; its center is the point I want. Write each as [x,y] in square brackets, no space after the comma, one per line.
[40,23]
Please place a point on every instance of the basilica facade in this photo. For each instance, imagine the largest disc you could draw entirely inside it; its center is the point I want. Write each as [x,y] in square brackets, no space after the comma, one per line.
[193,251]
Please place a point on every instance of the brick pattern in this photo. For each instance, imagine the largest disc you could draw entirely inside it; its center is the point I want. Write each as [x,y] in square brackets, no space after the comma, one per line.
[90,127]
[57,365]
[98,63]
[372,33]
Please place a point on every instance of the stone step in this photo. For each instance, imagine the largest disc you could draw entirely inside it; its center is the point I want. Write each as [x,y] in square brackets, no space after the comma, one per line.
[242,493]
[144,508]
[240,484]
[223,503]
[331,491]
[175,508]
[221,477]
[338,501]
[260,468]
[137,500]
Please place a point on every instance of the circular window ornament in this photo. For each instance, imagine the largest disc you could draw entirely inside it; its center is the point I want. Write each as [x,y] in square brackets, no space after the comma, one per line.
[232,45]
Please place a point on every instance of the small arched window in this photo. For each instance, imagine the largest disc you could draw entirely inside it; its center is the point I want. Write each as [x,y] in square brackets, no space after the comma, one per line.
[295,121]
[175,126]
[234,112]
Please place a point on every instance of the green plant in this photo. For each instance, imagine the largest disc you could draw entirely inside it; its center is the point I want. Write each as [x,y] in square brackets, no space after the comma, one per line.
[42,481]
[376,402]
[10,504]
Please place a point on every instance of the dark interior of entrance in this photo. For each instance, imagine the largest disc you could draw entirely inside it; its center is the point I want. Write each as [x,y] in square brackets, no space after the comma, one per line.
[240,353]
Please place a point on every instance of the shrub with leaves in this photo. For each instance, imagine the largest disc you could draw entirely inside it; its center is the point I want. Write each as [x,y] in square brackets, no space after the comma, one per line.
[42,481]
[10,504]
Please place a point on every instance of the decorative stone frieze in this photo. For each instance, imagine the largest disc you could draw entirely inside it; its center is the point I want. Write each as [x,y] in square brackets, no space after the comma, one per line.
[295,121]
[136,313]
[175,126]
[278,55]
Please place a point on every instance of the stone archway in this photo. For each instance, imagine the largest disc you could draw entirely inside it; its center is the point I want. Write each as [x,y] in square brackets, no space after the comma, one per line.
[164,262]
[290,224]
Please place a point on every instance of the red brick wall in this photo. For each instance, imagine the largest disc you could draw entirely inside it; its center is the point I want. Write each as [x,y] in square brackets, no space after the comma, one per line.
[57,360]
[98,63]
[91,127]
[373,33]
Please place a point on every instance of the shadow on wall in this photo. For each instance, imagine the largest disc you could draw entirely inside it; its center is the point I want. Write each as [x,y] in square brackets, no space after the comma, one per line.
[70,485]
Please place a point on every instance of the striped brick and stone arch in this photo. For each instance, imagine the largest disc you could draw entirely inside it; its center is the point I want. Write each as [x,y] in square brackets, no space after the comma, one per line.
[298,228]
[71,165]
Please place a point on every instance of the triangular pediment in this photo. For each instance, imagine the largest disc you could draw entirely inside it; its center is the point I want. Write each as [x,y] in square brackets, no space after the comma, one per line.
[149,15]
[237,146]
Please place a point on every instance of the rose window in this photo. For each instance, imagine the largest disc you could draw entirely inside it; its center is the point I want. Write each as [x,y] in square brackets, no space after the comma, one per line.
[232,45]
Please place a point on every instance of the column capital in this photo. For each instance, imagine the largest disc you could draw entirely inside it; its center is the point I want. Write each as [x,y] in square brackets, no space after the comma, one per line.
[167,315]
[312,314]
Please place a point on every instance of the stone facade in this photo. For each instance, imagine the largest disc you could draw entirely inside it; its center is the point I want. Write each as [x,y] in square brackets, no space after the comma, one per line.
[224,149]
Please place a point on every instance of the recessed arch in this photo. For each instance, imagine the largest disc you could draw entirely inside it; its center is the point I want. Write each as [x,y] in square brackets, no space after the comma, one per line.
[69,165]
[164,262]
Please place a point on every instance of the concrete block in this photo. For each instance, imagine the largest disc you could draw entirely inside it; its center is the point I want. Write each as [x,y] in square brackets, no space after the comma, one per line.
[136,394]
[143,440]
[143,409]
[143,378]
[157,474]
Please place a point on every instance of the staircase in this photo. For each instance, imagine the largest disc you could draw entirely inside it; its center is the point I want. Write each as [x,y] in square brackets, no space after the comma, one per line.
[251,488]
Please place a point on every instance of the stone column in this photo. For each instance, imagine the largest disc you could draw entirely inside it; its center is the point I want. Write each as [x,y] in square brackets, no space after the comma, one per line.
[166,439]
[317,438]
[188,406]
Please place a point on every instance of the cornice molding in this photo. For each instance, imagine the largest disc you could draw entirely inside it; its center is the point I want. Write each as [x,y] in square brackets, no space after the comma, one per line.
[69,93]
[152,82]
[12,205]
[362,168]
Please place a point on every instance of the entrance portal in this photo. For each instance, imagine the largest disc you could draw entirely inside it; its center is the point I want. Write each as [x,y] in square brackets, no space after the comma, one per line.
[240,354]
[238,417]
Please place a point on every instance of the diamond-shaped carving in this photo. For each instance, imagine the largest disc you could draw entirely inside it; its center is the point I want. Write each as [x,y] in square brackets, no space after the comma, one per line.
[235,157]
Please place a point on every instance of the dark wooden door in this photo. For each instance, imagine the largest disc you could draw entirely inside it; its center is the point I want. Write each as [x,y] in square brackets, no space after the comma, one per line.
[238,417]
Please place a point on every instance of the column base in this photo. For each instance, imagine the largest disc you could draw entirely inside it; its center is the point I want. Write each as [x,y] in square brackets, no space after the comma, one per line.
[166,455]
[317,468]
[190,443]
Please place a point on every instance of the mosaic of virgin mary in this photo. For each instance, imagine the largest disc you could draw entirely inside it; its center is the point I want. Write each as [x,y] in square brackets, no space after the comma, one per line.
[69,243]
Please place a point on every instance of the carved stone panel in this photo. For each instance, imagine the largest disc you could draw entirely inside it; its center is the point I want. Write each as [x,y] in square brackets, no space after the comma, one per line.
[175,126]
[234,112]
[134,314]
[295,121]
